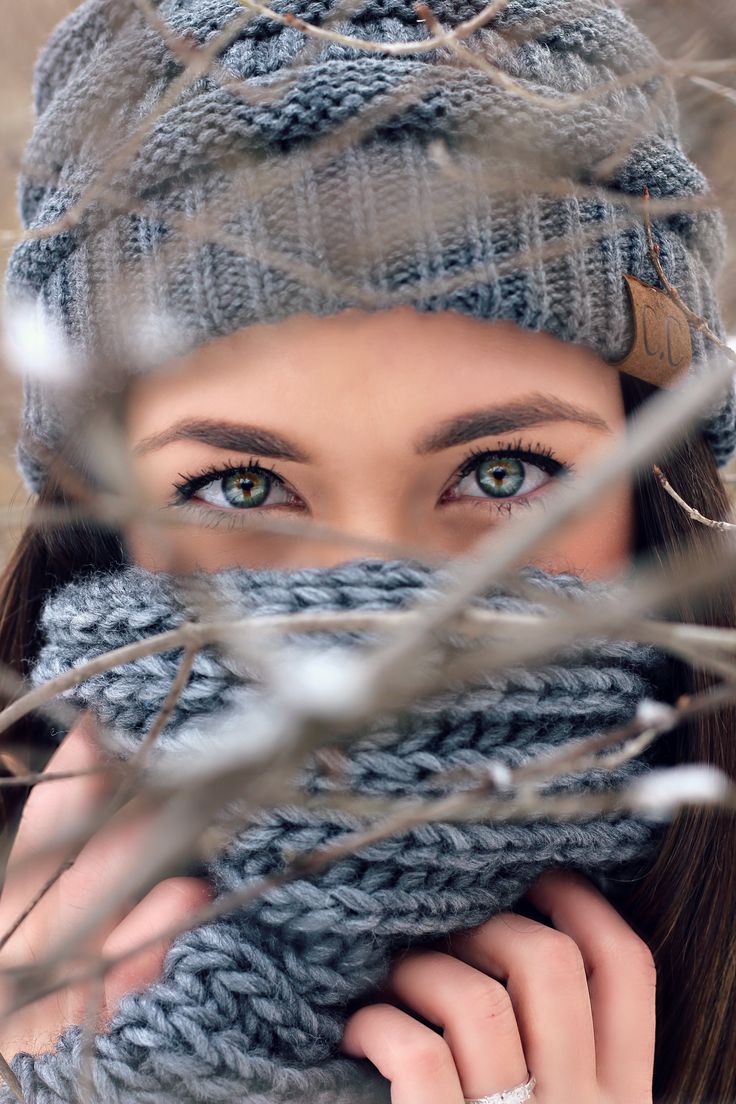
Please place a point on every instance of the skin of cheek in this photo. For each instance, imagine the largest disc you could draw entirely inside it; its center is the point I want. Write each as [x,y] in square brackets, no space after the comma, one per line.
[599,543]
[360,425]
[596,546]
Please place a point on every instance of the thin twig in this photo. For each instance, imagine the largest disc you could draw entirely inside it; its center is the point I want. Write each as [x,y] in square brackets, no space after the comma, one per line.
[181,823]
[470,622]
[495,556]
[137,761]
[695,320]
[492,559]
[453,38]
[716,87]
[201,59]
[193,635]
[200,227]
[113,510]
[37,777]
[419,636]
[95,1006]
[405,816]
[11,1080]
[38,896]
[391,49]
[120,797]
[692,513]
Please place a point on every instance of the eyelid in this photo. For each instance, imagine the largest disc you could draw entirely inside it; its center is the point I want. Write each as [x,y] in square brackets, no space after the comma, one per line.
[185,490]
[538,454]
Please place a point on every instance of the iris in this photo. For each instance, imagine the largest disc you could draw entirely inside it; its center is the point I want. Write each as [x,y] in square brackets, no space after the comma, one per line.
[500,476]
[246,487]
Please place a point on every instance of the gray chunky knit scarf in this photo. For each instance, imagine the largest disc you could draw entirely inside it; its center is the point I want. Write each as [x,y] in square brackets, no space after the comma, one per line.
[251,1007]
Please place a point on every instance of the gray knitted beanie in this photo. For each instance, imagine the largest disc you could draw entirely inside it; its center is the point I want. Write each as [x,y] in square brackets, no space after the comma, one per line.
[305,175]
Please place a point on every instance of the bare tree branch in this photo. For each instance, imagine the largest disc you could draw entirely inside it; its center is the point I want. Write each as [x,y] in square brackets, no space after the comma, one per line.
[695,515]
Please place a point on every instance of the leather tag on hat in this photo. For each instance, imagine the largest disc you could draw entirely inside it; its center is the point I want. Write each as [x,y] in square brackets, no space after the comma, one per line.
[662,350]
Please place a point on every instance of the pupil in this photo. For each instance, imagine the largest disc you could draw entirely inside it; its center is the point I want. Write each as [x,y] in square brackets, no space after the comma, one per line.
[245,490]
[501,478]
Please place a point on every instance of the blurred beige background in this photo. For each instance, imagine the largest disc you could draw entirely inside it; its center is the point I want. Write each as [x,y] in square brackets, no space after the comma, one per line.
[24,26]
[701,28]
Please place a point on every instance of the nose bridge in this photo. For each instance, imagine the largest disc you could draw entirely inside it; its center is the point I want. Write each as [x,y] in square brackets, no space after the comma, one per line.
[376,514]
[367,479]
[373,499]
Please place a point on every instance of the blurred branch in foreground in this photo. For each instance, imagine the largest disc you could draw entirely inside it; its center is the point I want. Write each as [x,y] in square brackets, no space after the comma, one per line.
[323,704]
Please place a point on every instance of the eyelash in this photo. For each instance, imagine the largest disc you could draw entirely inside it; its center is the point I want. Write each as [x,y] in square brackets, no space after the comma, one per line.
[539,455]
[536,454]
[190,484]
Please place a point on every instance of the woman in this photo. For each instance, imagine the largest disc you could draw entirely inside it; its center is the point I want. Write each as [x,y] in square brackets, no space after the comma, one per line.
[305,244]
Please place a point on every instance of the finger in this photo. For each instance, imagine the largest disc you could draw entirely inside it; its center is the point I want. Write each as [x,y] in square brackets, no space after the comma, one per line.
[415,1059]
[170,902]
[475,1012]
[48,806]
[103,869]
[545,978]
[621,979]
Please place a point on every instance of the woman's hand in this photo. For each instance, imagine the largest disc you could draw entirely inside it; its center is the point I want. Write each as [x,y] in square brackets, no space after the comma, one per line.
[574,1004]
[53,807]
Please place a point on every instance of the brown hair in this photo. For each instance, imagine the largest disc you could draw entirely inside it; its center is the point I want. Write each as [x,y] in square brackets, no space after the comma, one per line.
[683,906]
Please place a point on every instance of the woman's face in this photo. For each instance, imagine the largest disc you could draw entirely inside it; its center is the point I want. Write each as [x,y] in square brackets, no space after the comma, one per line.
[431,429]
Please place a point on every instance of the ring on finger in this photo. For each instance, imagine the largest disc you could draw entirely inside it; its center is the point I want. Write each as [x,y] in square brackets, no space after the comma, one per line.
[518,1095]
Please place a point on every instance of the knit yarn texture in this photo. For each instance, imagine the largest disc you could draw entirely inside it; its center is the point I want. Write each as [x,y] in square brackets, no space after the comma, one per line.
[314,176]
[252,1006]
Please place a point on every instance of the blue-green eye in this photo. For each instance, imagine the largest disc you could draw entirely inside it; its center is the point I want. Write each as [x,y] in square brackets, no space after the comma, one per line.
[500,476]
[245,488]
[237,488]
[505,475]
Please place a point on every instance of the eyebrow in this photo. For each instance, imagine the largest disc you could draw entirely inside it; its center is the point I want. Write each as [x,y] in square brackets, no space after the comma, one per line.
[225,435]
[531,410]
[523,413]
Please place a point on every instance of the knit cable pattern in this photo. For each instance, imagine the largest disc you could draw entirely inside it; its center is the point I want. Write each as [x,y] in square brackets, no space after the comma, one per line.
[457,194]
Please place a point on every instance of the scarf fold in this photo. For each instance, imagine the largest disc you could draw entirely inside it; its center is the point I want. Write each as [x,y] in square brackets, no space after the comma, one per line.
[252,1006]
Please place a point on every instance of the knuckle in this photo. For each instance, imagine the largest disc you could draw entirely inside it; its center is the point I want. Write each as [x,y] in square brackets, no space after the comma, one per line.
[557,954]
[183,894]
[427,1053]
[627,951]
[638,955]
[398,1044]
[490,1002]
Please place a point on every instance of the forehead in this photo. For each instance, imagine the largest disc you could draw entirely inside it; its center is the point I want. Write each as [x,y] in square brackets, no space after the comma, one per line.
[354,367]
